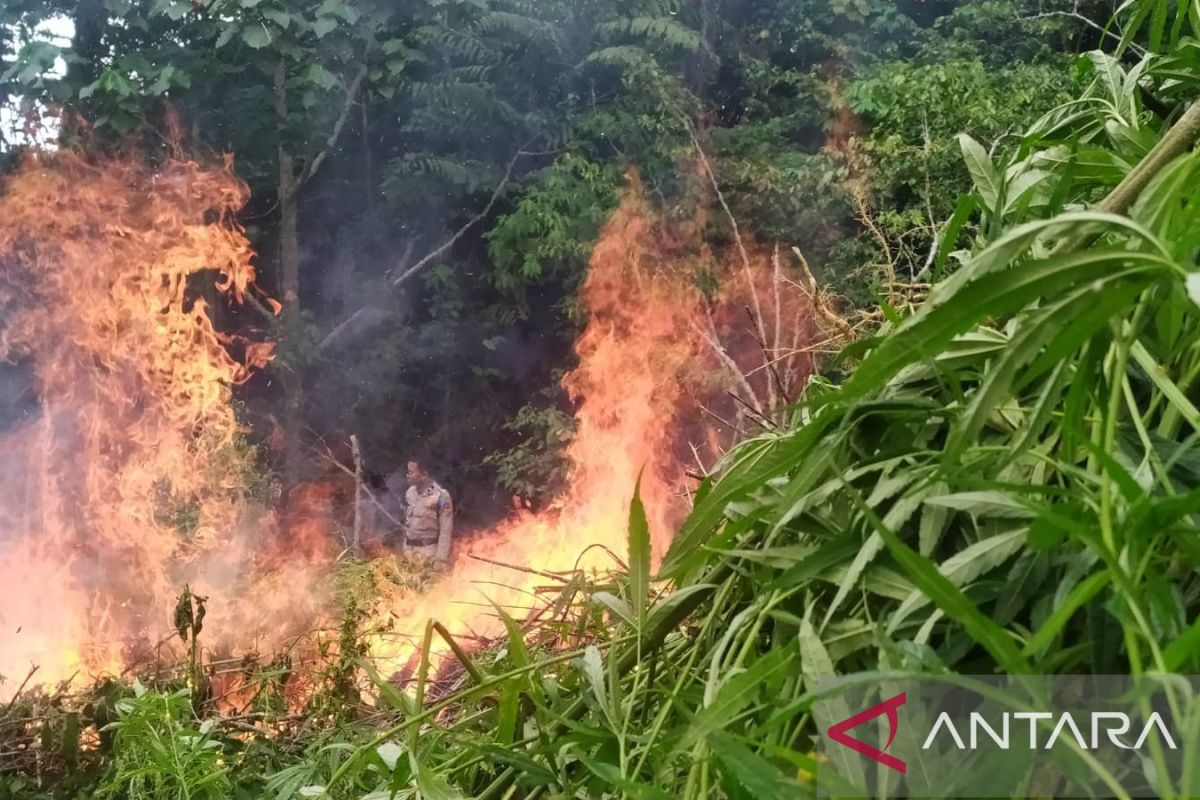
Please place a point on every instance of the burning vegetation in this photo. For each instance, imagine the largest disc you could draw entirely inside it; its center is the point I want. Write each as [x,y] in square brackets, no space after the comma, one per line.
[136,475]
[130,477]
[545,250]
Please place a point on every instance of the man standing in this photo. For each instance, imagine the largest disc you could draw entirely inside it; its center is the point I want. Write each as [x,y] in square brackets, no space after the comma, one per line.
[428,516]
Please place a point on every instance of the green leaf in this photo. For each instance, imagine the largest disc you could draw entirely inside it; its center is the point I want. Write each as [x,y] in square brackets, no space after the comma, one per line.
[618,607]
[752,773]
[1058,328]
[963,567]
[319,76]
[991,295]
[1155,372]
[389,753]
[517,651]
[176,11]
[983,174]
[984,504]
[830,554]
[277,15]
[612,776]
[122,121]
[738,691]
[1184,650]
[925,576]
[227,35]
[752,469]
[933,522]
[532,773]
[816,665]
[1058,620]
[666,613]
[967,205]
[507,713]
[591,663]
[257,36]
[849,581]
[324,26]
[639,554]
[430,784]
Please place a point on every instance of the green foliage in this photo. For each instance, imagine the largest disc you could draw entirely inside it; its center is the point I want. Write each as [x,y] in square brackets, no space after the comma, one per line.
[550,231]
[160,751]
[916,165]
[535,469]
[1020,405]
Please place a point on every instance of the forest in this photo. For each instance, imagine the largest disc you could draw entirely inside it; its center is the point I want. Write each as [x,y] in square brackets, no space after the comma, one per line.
[767,350]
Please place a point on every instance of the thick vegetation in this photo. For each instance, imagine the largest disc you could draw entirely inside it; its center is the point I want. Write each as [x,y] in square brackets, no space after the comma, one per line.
[372,133]
[1004,479]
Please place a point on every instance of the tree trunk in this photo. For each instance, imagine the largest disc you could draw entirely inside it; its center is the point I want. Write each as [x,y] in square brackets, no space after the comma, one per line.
[89,18]
[289,279]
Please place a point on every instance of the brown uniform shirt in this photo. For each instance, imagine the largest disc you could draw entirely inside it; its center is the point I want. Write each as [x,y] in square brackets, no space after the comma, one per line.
[428,521]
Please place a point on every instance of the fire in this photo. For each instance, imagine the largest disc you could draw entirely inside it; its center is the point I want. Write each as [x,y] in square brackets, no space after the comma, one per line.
[657,361]
[128,481]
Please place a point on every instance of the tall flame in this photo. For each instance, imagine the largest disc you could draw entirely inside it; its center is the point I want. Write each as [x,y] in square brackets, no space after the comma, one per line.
[657,355]
[127,481]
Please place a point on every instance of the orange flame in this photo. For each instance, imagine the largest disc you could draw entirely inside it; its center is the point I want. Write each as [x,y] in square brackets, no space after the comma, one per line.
[654,350]
[128,483]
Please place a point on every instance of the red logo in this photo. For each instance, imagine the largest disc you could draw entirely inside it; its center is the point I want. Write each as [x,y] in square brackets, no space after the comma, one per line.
[838,732]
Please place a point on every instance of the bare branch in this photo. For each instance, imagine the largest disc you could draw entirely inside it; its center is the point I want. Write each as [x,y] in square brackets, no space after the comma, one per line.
[358,495]
[723,356]
[1078,16]
[357,322]
[472,222]
[333,460]
[335,134]
[741,246]
[777,341]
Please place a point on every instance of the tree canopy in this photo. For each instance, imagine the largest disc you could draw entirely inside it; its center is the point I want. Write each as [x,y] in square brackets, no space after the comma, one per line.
[428,177]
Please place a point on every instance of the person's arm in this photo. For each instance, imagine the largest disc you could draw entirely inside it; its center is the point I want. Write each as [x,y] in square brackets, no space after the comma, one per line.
[445,526]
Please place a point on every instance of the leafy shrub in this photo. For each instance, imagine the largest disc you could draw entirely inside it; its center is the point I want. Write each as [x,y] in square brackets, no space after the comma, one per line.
[161,752]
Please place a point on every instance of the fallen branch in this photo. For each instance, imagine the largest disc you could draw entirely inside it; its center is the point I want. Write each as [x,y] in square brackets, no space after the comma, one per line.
[517,568]
[21,688]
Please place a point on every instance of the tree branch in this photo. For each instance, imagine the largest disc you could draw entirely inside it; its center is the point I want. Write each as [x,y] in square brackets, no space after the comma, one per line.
[1076,15]
[358,322]
[472,222]
[335,134]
